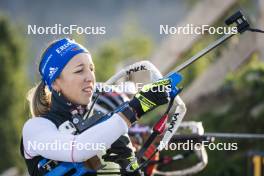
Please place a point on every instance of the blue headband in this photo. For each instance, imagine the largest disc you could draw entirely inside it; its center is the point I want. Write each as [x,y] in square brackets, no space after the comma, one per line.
[56,57]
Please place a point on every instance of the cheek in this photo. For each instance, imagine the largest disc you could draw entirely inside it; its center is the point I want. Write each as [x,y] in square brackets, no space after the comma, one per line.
[72,84]
[76,84]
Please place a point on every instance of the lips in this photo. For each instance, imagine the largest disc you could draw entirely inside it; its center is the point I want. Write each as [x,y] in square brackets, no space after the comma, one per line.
[88,89]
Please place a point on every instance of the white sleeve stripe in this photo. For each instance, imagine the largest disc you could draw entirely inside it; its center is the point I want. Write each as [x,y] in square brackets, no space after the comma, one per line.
[72,148]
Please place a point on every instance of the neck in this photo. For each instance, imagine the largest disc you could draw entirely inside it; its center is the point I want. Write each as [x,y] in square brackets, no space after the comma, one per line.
[61,107]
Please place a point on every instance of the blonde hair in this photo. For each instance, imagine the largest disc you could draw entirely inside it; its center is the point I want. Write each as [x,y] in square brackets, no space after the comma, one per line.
[39,98]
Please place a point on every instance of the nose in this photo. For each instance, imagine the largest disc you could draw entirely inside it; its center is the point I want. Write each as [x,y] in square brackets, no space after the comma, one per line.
[89,77]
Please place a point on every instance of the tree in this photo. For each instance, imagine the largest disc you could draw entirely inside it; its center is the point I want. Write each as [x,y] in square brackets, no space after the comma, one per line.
[12,92]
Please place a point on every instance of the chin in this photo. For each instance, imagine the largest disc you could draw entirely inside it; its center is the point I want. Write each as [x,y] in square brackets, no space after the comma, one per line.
[87,101]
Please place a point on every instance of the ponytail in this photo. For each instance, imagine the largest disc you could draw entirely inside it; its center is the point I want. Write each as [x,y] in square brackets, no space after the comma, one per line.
[39,98]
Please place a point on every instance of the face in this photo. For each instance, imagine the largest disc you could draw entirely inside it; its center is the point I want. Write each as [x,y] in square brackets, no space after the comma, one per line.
[76,81]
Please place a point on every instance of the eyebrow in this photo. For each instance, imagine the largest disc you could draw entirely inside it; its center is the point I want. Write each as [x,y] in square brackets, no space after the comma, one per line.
[83,65]
[79,65]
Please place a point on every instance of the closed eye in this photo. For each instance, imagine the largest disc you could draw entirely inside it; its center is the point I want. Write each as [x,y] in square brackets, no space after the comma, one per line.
[79,71]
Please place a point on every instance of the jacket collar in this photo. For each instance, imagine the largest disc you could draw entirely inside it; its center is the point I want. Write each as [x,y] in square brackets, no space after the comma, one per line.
[63,108]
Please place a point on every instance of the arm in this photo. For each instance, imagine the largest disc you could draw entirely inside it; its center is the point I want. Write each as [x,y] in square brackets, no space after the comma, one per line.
[39,132]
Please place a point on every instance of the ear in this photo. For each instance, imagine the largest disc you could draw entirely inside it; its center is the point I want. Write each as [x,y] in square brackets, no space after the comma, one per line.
[56,85]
